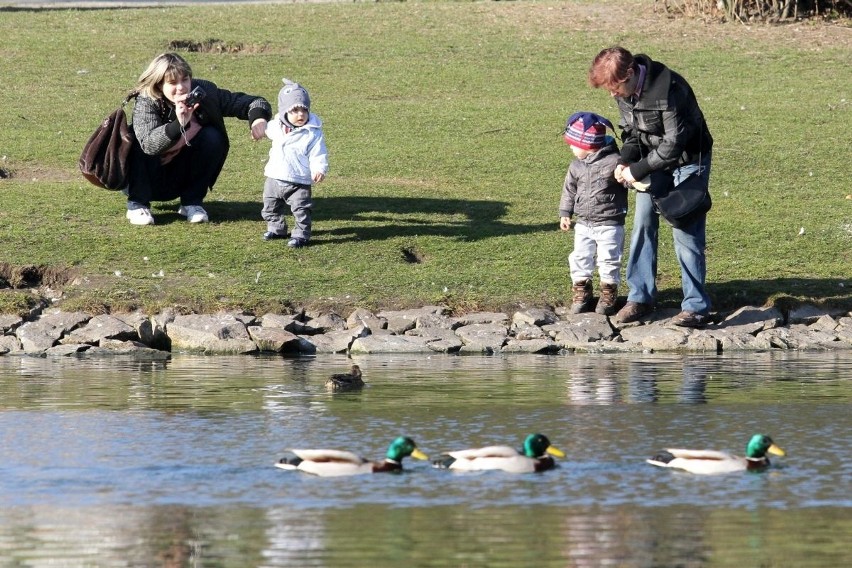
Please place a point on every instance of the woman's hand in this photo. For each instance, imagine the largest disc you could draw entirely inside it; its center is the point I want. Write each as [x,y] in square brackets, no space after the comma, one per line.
[183,112]
[258,129]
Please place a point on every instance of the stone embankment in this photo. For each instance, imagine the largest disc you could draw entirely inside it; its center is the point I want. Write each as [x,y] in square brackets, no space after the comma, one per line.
[424,330]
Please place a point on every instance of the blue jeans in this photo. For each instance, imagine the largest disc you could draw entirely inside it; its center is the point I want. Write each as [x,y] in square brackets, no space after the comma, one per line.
[689,245]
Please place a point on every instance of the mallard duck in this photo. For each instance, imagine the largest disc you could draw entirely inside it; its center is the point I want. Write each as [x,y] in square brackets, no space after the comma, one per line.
[710,461]
[533,457]
[346,381]
[331,463]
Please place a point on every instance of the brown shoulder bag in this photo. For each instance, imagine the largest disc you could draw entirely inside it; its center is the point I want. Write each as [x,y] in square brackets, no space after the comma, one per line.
[105,160]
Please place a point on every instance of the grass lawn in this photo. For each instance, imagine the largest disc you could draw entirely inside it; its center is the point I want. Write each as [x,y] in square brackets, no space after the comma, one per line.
[443,123]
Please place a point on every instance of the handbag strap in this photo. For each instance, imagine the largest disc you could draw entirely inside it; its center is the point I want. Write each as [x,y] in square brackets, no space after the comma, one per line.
[130,95]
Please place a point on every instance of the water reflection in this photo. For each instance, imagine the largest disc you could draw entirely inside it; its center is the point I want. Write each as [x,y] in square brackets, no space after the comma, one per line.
[116,462]
[601,382]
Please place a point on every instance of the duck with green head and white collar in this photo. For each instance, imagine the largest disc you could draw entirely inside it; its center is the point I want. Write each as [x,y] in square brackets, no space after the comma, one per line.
[333,463]
[712,461]
[536,455]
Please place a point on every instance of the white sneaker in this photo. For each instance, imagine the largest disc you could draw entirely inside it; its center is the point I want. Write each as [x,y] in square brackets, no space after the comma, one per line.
[141,216]
[194,213]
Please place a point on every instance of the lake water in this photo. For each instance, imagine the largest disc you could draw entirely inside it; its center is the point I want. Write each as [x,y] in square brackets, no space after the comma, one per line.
[122,463]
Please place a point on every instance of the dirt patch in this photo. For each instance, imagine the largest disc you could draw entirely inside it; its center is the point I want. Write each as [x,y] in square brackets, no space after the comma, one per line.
[38,173]
[33,276]
[213,46]
[654,19]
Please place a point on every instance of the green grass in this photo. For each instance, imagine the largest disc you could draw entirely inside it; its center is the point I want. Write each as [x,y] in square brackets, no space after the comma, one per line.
[443,123]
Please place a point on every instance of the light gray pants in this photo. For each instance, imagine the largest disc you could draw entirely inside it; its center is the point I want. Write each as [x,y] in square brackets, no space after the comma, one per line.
[279,197]
[604,242]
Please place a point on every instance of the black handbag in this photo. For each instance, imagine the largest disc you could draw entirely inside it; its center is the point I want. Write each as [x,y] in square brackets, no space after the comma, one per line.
[105,160]
[681,205]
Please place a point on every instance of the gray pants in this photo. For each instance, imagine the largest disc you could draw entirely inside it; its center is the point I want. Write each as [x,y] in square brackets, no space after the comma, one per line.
[279,197]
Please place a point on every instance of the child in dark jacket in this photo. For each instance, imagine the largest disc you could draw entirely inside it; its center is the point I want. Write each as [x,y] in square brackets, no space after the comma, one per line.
[599,202]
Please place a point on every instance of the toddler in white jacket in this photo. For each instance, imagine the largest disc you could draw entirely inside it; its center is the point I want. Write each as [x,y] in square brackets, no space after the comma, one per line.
[298,158]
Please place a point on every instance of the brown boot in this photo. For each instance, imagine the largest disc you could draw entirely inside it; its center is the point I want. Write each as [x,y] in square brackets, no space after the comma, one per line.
[606,303]
[633,311]
[582,297]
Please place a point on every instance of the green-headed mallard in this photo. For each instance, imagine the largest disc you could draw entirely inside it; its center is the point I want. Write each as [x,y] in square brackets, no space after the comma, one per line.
[535,456]
[331,463]
[710,461]
[346,381]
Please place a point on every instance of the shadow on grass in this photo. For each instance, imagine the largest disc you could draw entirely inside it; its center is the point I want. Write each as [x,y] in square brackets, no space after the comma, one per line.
[379,218]
[782,293]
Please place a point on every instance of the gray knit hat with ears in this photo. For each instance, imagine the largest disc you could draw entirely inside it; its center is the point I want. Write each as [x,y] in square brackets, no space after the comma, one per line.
[292,95]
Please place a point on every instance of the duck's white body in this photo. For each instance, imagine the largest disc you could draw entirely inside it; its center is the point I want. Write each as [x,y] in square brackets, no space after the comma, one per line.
[329,463]
[712,461]
[334,463]
[505,458]
[702,461]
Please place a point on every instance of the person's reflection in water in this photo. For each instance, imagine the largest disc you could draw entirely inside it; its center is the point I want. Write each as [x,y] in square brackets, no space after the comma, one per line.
[642,381]
[594,384]
[694,384]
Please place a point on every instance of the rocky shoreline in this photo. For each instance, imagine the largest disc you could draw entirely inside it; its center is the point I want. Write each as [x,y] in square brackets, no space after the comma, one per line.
[425,330]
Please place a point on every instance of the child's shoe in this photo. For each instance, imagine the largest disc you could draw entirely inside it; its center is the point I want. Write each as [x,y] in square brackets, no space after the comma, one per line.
[269,236]
[606,303]
[297,242]
[582,297]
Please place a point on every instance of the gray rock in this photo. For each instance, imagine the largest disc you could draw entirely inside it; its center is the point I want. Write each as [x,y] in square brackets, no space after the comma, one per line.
[246,318]
[46,330]
[534,316]
[844,330]
[436,321]
[656,338]
[401,321]
[731,339]
[292,323]
[278,320]
[213,334]
[67,350]
[824,323]
[9,322]
[390,344]
[525,332]
[702,341]
[333,341]
[481,317]
[437,338]
[795,337]
[134,349]
[483,337]
[143,325]
[277,340]
[99,328]
[9,344]
[750,319]
[366,318]
[324,323]
[576,331]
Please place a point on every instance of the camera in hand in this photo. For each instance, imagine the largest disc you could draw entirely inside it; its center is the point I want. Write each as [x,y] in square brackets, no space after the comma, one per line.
[194,96]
